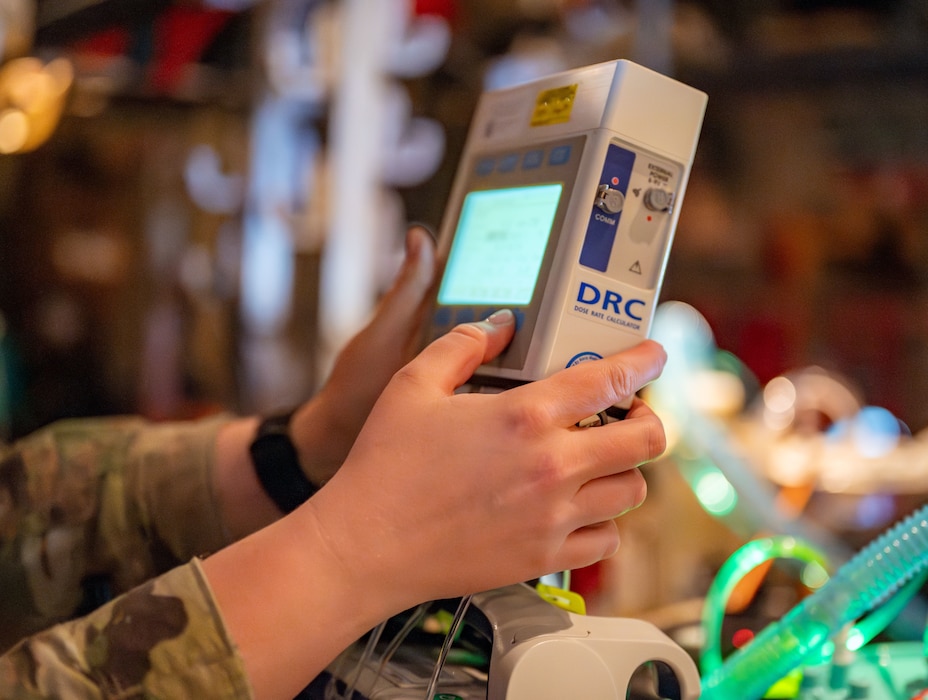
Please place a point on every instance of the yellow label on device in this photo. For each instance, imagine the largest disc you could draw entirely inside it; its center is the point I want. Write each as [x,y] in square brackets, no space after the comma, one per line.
[553,106]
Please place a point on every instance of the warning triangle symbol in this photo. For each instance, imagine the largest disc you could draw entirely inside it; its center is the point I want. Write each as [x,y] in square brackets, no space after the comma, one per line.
[636,267]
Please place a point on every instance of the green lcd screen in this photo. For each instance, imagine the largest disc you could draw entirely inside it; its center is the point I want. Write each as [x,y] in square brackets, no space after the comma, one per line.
[499,245]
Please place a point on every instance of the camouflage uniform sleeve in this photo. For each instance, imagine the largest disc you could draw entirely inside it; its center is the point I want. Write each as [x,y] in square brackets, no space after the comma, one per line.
[91,508]
[163,639]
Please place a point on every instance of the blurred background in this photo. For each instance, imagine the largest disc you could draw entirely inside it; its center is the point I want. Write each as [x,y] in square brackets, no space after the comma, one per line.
[201,201]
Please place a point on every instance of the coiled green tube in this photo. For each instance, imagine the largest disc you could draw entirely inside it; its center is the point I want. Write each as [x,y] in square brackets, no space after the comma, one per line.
[747,558]
[864,582]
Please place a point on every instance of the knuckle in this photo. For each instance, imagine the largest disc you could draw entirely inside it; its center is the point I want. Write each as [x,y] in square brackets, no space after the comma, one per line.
[406,372]
[549,530]
[527,420]
[547,471]
[407,375]
[622,379]
[469,331]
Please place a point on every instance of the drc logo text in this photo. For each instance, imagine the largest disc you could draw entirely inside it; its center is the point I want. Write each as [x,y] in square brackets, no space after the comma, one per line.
[609,305]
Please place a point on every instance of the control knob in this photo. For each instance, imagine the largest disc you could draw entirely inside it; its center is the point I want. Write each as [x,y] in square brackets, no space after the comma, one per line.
[657,199]
[609,200]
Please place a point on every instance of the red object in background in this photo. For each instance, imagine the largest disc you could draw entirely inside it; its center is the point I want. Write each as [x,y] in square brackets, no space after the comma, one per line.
[182,34]
[741,637]
[587,581]
[442,8]
[763,345]
[109,42]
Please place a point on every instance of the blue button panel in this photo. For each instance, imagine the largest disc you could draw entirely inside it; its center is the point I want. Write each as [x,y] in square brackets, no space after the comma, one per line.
[600,232]
[529,160]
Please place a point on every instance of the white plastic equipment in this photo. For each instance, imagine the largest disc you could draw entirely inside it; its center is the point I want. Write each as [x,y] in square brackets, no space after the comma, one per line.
[563,209]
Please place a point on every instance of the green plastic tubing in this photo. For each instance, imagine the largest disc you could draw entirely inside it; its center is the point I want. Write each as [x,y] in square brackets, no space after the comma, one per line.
[864,582]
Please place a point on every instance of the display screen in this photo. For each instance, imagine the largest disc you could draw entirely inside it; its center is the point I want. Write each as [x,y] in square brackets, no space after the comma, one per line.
[499,245]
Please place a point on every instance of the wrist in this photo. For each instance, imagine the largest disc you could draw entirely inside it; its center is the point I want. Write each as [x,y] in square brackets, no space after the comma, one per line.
[317,438]
[373,568]
[277,464]
[294,583]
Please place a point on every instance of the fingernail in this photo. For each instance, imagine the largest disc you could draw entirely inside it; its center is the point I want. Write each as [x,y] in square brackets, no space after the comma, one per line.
[501,317]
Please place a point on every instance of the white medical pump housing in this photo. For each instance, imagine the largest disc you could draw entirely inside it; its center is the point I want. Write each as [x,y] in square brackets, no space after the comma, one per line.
[563,209]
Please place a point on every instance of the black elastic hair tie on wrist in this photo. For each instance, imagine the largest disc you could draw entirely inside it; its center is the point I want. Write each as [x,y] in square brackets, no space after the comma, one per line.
[277,464]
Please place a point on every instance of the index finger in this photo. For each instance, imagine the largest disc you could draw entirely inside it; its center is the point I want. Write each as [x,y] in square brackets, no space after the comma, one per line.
[581,391]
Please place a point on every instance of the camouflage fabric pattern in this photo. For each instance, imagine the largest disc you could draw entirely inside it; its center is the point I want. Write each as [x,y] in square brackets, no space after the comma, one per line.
[116,502]
[164,639]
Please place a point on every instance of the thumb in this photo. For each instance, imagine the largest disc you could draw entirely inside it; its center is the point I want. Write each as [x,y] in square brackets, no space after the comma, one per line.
[451,361]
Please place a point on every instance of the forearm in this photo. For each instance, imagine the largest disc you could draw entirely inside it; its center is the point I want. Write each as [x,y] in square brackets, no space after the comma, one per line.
[296,607]
[162,639]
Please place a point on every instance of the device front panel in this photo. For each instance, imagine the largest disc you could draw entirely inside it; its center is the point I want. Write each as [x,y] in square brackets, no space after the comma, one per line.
[506,229]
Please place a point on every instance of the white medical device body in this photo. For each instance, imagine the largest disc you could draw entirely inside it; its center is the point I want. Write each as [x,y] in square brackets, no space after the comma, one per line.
[563,209]
[537,652]
[545,654]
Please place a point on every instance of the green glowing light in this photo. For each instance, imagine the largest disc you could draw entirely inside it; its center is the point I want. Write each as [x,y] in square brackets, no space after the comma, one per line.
[855,639]
[715,492]
[813,575]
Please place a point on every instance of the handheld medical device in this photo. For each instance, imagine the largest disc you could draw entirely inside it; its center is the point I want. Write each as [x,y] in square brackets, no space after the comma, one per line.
[563,209]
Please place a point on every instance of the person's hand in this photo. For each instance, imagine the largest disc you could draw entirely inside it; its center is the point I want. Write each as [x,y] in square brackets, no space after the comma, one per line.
[443,494]
[324,429]
[450,493]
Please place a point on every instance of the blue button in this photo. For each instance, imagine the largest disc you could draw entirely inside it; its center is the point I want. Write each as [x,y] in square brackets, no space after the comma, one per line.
[464,316]
[485,166]
[442,316]
[533,159]
[559,155]
[508,163]
[485,313]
